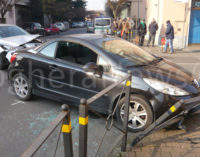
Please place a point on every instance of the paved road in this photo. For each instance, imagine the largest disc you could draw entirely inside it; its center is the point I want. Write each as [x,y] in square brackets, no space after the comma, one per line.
[21,122]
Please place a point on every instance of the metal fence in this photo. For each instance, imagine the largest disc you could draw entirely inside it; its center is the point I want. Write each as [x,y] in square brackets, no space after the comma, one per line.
[66,128]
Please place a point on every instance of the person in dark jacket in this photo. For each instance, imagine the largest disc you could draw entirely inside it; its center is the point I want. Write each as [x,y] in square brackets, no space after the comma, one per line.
[169,34]
[142,30]
[114,27]
[153,27]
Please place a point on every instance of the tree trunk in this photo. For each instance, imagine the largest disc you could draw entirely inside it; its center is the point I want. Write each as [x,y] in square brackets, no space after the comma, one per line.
[115,14]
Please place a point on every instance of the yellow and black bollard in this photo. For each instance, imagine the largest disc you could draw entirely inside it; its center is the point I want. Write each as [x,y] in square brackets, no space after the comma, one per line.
[83,128]
[67,135]
[126,110]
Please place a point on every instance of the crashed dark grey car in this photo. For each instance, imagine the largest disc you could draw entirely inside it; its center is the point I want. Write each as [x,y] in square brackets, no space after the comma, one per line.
[13,38]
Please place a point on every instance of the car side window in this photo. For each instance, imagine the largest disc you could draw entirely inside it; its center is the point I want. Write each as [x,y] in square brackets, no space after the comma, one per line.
[49,50]
[75,53]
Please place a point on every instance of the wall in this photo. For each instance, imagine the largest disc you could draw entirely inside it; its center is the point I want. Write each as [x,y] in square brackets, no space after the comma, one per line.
[12,15]
[136,12]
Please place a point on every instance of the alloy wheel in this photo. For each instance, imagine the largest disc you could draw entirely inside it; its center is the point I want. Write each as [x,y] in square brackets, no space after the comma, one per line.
[137,115]
[20,86]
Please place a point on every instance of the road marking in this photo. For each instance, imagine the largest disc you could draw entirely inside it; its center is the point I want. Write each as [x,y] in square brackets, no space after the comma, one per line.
[17,102]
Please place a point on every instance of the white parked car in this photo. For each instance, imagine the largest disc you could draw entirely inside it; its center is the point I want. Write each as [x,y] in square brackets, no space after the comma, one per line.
[66,25]
[60,25]
[13,38]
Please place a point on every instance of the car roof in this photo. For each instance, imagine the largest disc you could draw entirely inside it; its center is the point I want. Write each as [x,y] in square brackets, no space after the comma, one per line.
[89,37]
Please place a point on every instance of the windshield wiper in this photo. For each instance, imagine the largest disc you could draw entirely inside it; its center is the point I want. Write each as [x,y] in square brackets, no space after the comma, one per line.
[141,65]
[134,66]
[156,61]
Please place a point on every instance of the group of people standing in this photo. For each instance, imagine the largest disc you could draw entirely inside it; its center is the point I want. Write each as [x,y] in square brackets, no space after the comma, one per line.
[123,28]
[129,28]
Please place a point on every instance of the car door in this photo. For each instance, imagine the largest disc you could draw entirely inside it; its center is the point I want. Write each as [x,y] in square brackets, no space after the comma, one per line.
[40,65]
[72,81]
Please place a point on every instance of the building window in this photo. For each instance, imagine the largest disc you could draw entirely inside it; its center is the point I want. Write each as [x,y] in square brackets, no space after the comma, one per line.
[195,3]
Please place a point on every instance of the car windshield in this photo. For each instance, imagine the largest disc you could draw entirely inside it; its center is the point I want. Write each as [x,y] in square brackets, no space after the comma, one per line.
[9,31]
[125,53]
[102,22]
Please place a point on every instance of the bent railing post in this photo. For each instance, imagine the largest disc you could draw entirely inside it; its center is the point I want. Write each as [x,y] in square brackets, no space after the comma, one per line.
[126,111]
[67,135]
[83,128]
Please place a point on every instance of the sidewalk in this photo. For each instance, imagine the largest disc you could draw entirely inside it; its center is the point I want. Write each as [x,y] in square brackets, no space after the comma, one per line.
[159,49]
[169,143]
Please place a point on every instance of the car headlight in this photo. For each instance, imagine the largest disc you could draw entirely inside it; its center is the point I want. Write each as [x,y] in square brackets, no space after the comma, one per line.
[165,87]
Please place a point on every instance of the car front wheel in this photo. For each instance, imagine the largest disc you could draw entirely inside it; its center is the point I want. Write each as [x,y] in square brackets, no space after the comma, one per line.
[140,113]
[22,87]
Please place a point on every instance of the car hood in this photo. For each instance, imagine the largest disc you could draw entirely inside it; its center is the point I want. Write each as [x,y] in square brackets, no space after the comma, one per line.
[168,72]
[16,41]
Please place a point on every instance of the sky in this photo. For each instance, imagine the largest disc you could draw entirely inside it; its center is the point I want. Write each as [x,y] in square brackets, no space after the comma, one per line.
[95,4]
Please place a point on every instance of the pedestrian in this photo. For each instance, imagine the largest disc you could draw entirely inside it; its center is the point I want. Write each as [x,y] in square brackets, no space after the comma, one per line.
[142,30]
[130,27]
[153,27]
[119,28]
[114,27]
[169,34]
[125,29]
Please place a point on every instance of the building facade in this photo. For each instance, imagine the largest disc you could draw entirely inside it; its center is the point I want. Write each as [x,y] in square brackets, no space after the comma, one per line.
[183,14]
[18,14]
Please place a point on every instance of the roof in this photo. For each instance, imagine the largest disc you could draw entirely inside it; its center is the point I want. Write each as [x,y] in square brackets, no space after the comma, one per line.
[88,37]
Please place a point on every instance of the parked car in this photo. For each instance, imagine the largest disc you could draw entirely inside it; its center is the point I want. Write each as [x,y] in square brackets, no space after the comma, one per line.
[78,24]
[34,28]
[66,25]
[74,24]
[81,24]
[60,25]
[52,29]
[80,66]
[90,27]
[13,38]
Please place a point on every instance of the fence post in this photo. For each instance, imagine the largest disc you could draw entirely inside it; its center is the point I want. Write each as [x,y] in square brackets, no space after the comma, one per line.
[126,111]
[67,135]
[83,128]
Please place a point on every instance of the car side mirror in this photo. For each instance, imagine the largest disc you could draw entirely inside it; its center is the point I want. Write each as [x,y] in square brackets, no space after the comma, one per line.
[90,67]
[94,68]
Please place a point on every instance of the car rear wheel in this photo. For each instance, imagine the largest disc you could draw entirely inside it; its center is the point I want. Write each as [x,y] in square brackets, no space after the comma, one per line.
[140,113]
[22,87]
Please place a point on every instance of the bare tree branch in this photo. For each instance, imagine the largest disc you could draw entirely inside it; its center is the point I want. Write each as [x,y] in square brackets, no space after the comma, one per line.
[6,5]
[116,5]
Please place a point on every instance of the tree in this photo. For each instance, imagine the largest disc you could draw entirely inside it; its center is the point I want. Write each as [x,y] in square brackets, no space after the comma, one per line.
[36,11]
[115,6]
[5,6]
[79,10]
